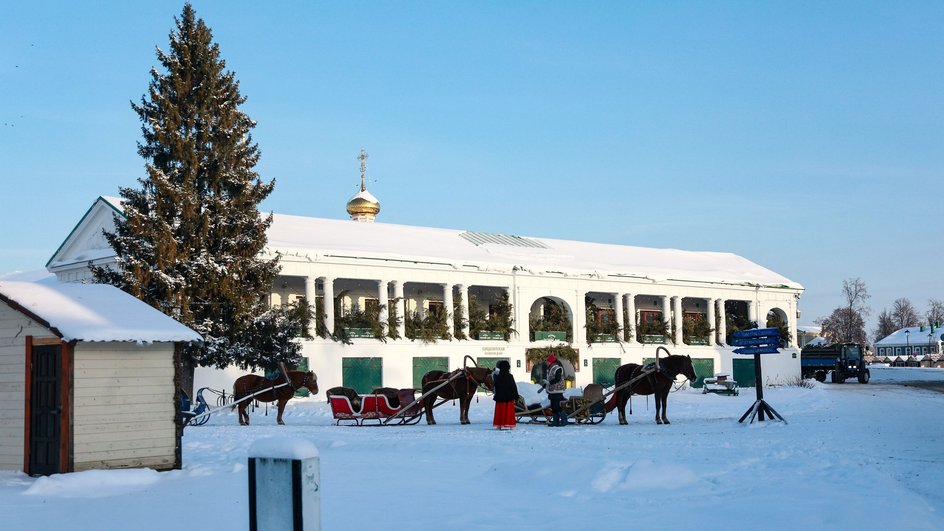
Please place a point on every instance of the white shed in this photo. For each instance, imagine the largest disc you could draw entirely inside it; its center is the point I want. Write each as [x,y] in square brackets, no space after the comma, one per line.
[86,379]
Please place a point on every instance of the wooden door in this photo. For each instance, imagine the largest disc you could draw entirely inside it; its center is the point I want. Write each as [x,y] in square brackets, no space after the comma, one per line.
[422,365]
[362,374]
[45,409]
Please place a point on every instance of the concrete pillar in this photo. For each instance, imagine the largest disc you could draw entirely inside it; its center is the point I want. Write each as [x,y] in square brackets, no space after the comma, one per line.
[464,292]
[580,318]
[678,320]
[284,485]
[618,303]
[723,324]
[447,306]
[383,298]
[311,295]
[752,314]
[631,316]
[667,315]
[401,307]
[711,320]
[328,289]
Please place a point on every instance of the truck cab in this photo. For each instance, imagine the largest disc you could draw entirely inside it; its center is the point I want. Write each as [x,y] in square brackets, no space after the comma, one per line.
[839,360]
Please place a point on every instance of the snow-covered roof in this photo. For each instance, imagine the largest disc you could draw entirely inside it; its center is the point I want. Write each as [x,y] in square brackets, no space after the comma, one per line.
[916,335]
[312,237]
[92,312]
[457,248]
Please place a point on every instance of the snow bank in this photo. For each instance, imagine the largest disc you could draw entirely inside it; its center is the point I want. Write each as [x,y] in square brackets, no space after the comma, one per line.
[283,448]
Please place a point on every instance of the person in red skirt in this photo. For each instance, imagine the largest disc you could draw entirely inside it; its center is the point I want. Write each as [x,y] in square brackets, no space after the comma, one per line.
[506,392]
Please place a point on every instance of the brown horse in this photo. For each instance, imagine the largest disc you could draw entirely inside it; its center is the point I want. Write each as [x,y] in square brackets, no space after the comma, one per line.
[464,382]
[252,383]
[658,383]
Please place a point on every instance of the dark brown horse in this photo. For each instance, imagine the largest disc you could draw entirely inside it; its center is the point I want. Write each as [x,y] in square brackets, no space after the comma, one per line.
[252,383]
[658,383]
[462,384]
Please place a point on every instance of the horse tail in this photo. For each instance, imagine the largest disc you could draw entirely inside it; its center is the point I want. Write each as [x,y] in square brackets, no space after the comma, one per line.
[611,404]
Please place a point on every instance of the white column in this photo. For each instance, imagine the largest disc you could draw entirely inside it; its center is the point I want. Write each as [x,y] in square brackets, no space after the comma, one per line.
[464,292]
[447,303]
[667,315]
[752,313]
[631,315]
[723,324]
[678,320]
[792,323]
[328,289]
[580,318]
[311,298]
[383,298]
[618,300]
[711,321]
[401,307]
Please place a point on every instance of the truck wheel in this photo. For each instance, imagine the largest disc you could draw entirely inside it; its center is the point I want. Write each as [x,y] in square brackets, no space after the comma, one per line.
[835,377]
[820,376]
[864,376]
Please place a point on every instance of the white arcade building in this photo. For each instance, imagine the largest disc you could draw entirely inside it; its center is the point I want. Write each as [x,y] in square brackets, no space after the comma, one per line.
[409,299]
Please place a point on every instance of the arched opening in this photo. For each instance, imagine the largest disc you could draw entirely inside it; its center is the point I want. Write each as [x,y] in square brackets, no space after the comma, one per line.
[550,319]
[777,318]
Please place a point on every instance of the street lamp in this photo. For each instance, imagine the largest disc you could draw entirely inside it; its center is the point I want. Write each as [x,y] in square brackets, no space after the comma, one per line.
[907,346]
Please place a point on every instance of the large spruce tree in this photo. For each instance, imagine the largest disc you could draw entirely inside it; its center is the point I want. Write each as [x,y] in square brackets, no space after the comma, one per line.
[190,240]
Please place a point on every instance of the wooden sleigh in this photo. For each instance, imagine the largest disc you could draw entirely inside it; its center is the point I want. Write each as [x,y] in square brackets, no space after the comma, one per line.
[399,408]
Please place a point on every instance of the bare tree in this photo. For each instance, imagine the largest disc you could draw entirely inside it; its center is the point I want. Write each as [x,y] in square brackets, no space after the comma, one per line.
[844,326]
[904,314]
[856,294]
[886,325]
[935,313]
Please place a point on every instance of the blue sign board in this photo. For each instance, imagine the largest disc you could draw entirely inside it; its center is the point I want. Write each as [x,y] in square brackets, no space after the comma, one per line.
[757,332]
[757,341]
[757,350]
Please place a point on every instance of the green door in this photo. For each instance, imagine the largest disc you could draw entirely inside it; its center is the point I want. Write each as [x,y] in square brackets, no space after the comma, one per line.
[744,372]
[362,374]
[489,362]
[422,366]
[704,367]
[604,370]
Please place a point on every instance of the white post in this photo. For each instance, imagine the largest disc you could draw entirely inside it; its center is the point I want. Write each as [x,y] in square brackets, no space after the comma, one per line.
[383,298]
[711,321]
[311,296]
[723,324]
[631,315]
[401,307]
[678,321]
[328,288]
[580,318]
[284,485]
[618,300]
[667,315]
[464,291]
[447,303]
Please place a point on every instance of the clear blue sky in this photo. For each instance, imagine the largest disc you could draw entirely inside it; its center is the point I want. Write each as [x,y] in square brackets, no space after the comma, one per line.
[805,136]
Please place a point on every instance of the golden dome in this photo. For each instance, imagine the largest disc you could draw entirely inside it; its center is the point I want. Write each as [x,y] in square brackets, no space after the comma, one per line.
[363,206]
[363,203]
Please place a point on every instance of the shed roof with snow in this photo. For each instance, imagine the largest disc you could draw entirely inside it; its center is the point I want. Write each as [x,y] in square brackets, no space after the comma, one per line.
[92,312]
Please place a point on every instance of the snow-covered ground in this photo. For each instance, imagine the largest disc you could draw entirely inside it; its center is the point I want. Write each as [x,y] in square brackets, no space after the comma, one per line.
[851,457]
